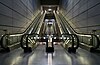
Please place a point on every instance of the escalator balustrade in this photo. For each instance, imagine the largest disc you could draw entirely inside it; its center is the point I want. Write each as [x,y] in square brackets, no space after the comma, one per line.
[89,42]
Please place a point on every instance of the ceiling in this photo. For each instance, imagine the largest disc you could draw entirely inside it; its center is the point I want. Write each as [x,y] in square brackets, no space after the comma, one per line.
[49,4]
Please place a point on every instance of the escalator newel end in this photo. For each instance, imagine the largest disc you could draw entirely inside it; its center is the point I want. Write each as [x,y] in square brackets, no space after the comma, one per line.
[7,49]
[69,50]
[27,49]
[73,50]
[92,49]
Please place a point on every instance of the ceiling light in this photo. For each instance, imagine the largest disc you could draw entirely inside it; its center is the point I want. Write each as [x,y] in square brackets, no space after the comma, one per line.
[49,9]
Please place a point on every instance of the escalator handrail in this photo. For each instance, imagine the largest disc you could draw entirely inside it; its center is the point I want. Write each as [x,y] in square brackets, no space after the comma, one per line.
[21,42]
[36,26]
[73,42]
[75,36]
[98,41]
[86,35]
[26,38]
[2,46]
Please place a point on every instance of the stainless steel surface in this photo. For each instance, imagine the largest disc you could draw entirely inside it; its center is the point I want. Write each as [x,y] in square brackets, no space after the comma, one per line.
[39,57]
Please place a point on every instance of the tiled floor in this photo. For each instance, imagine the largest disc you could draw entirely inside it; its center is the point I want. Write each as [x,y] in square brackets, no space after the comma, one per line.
[39,57]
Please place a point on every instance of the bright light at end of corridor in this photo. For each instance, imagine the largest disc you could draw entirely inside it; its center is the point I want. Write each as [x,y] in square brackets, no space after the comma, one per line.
[49,9]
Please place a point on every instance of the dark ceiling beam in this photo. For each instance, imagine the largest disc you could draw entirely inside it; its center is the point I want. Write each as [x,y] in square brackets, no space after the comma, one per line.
[49,2]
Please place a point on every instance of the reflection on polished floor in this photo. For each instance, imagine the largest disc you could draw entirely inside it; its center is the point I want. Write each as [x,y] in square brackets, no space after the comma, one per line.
[39,57]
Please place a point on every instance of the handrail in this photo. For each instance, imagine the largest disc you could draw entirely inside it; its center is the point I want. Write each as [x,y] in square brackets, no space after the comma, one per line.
[77,41]
[2,42]
[98,41]
[26,38]
[36,26]
[64,27]
[73,41]
[21,42]
[37,18]
[25,46]
[85,35]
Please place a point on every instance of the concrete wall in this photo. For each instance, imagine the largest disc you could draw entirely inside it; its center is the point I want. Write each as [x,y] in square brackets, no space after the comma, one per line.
[16,15]
[83,15]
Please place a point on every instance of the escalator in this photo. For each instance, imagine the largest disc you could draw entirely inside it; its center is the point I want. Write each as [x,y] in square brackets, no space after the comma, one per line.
[70,41]
[49,33]
[41,31]
[12,41]
[87,41]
